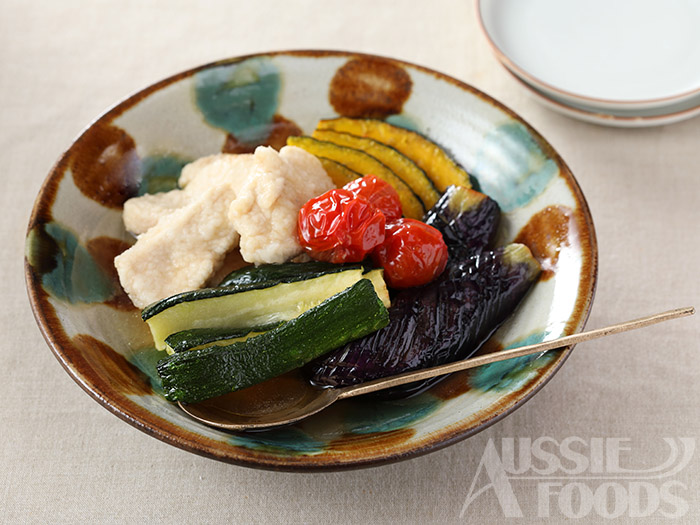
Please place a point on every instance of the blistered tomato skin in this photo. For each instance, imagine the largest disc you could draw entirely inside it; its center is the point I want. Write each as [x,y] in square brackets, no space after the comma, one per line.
[379,193]
[412,253]
[339,227]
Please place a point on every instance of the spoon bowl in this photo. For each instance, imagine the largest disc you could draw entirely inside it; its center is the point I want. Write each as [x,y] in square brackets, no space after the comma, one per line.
[290,398]
[280,401]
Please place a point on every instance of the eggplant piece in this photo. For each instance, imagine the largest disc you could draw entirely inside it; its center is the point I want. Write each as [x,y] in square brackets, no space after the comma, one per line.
[448,319]
[444,321]
[467,219]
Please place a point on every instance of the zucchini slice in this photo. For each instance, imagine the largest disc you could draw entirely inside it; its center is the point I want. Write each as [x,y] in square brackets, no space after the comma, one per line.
[339,173]
[198,337]
[431,158]
[261,276]
[405,168]
[242,307]
[216,370]
[365,164]
[282,273]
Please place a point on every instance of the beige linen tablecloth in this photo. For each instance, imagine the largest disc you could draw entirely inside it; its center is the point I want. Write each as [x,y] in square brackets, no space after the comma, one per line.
[65,459]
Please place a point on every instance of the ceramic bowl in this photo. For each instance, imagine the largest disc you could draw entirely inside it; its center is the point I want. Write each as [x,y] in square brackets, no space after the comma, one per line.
[140,145]
[608,56]
[619,119]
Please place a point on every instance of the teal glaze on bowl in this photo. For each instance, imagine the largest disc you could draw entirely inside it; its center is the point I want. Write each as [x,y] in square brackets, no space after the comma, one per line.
[160,173]
[241,98]
[140,145]
[513,373]
[68,259]
[528,171]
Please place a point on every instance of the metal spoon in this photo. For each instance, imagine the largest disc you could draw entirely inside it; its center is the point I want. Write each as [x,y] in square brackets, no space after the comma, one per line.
[299,399]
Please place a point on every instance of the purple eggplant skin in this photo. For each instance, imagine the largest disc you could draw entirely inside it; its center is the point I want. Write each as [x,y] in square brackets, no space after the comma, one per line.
[444,321]
[467,219]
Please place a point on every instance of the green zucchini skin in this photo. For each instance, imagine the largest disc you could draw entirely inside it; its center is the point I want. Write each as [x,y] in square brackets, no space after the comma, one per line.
[197,295]
[216,370]
[186,339]
[251,278]
[269,274]
[233,308]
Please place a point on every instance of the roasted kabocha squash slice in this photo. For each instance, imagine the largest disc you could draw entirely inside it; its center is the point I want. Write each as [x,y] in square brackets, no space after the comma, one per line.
[430,157]
[405,168]
[339,173]
[361,162]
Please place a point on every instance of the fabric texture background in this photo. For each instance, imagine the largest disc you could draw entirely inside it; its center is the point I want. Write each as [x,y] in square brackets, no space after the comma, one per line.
[65,459]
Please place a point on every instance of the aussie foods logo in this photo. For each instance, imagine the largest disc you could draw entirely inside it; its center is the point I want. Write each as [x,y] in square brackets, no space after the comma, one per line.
[577,477]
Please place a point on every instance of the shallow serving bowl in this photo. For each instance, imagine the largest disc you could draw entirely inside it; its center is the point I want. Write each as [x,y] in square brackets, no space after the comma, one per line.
[140,145]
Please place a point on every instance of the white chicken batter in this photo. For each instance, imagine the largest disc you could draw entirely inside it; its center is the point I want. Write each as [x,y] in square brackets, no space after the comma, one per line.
[184,234]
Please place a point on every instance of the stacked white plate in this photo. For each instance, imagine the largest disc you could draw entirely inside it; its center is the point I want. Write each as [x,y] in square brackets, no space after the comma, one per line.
[629,63]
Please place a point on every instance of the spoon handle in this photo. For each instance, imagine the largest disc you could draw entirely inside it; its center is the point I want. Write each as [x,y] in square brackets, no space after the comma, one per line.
[409,377]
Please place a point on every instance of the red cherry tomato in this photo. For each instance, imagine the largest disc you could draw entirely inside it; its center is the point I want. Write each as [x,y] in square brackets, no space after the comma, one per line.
[340,227]
[412,253]
[378,192]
